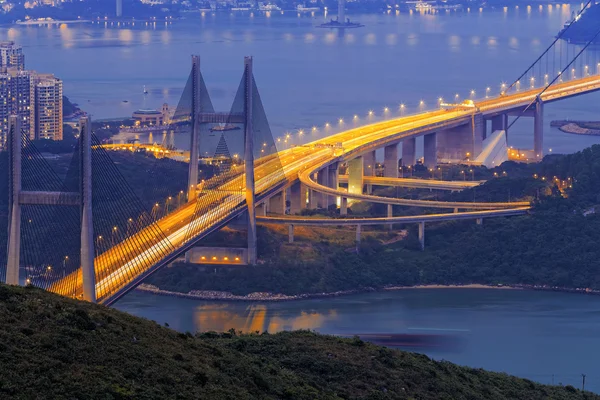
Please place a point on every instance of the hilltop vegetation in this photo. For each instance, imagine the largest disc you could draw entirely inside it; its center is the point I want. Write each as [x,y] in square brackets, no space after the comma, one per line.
[53,347]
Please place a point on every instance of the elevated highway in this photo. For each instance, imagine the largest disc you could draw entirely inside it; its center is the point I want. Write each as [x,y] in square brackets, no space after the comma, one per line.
[124,266]
[414,183]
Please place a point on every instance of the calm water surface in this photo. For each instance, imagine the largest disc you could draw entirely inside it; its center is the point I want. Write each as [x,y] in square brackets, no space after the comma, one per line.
[538,335]
[309,76]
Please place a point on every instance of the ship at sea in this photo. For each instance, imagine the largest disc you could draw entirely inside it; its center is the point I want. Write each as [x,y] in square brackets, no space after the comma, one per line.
[581,28]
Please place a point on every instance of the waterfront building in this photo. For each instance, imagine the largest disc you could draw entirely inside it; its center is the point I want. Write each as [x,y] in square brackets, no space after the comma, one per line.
[148,117]
[35,98]
[16,92]
[11,56]
[48,107]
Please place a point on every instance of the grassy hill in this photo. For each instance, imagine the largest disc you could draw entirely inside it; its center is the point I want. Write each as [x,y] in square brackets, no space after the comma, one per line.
[52,347]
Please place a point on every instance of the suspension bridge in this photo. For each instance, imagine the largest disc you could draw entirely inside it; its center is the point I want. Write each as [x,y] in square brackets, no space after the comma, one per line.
[84,232]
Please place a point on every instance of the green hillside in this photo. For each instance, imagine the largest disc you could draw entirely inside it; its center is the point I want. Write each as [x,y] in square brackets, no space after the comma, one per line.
[56,348]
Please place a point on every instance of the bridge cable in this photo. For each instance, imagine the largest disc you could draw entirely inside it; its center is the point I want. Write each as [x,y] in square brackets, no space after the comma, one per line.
[555,78]
[556,39]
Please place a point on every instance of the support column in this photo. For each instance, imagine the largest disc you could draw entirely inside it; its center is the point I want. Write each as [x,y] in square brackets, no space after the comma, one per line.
[261,210]
[355,175]
[409,147]
[500,123]
[195,134]
[291,234]
[341,11]
[15,141]
[87,226]
[333,182]
[297,198]
[369,167]
[277,203]
[390,214]
[357,237]
[422,235]
[344,206]
[323,180]
[249,160]
[390,161]
[478,133]
[538,129]
[430,150]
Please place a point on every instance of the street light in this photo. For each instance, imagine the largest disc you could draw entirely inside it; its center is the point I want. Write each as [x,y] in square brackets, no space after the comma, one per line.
[487,92]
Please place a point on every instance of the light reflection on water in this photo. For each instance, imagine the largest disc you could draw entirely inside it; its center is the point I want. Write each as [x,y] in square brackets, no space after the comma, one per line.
[537,335]
[256,318]
[308,76]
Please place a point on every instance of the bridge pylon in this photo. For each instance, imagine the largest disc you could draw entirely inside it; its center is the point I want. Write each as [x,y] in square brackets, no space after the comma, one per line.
[81,198]
[241,133]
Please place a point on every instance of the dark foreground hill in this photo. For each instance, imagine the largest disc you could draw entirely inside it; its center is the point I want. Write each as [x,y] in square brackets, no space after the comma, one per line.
[56,348]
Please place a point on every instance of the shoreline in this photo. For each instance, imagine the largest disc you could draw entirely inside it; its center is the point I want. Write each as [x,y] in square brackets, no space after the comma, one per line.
[575,127]
[209,295]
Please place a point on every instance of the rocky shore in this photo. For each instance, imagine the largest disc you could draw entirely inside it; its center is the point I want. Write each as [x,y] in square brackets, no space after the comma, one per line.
[267,296]
[576,127]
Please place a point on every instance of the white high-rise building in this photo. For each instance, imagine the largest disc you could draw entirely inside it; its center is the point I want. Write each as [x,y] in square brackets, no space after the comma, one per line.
[48,109]
[35,98]
[16,97]
[11,56]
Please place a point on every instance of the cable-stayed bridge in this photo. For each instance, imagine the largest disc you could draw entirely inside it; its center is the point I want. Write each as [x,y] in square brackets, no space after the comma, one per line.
[110,240]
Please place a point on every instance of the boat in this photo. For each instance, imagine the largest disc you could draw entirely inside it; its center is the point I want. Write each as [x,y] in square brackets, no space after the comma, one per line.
[334,23]
[303,8]
[582,27]
[268,7]
[224,128]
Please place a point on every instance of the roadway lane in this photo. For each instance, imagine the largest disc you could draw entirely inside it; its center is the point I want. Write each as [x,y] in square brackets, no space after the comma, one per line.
[415,183]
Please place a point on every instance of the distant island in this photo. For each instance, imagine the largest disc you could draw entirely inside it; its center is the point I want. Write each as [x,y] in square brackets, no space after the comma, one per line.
[591,128]
[581,29]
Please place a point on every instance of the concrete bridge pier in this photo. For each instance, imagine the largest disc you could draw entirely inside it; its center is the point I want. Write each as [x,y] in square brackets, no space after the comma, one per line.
[462,142]
[261,210]
[291,234]
[538,129]
[409,147]
[333,172]
[14,211]
[500,123]
[358,229]
[344,206]
[323,180]
[297,198]
[422,235]
[430,150]
[277,203]
[355,175]
[369,167]
[390,161]
[390,214]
